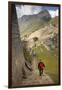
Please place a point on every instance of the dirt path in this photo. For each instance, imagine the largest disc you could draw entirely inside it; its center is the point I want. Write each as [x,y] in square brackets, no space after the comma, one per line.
[37,80]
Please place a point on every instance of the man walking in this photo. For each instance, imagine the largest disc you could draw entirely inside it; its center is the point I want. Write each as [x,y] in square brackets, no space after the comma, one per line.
[41,67]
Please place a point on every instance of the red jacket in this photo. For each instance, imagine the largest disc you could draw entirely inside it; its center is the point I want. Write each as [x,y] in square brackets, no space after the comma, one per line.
[41,66]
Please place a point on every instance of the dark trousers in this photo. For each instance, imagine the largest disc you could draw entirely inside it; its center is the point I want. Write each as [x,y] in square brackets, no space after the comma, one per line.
[40,72]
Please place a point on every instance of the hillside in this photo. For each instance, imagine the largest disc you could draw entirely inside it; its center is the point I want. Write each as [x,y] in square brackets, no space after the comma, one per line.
[55,21]
[31,23]
[39,35]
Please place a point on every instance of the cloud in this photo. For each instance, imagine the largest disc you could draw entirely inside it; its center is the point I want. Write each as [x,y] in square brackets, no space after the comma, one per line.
[27,10]
[54,13]
[36,9]
[24,10]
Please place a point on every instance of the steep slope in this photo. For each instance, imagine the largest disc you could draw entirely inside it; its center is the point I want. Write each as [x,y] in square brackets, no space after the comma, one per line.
[45,29]
[47,36]
[55,21]
[31,23]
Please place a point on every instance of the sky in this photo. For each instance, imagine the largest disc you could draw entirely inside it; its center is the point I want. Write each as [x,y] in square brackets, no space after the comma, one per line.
[32,9]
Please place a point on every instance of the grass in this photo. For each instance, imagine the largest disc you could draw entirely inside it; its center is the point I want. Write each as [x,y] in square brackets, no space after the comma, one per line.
[50,60]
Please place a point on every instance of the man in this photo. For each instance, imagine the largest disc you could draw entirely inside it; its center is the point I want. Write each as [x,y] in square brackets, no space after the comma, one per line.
[41,67]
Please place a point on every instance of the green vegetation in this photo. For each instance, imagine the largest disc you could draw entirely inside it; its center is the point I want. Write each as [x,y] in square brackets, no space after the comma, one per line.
[36,24]
[33,26]
[54,21]
[50,59]
[30,23]
[27,55]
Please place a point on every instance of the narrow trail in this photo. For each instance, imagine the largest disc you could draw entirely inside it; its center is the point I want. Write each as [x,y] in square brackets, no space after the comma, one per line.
[37,80]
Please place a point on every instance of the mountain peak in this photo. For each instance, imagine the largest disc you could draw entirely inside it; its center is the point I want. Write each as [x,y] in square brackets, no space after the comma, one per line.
[44,14]
[43,11]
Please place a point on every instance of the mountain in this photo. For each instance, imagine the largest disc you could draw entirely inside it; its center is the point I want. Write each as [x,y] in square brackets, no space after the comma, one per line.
[31,23]
[39,25]
[44,15]
[46,36]
[39,35]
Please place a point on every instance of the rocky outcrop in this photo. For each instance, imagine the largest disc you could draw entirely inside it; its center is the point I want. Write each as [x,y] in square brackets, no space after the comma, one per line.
[19,68]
